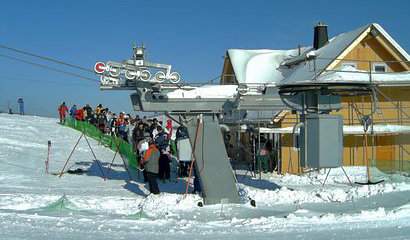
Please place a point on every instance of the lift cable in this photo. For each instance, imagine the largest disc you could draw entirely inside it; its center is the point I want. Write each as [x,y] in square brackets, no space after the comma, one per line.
[46,58]
[50,68]
[68,64]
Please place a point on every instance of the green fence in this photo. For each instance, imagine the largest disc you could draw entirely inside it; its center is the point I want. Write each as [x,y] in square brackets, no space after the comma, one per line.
[125,149]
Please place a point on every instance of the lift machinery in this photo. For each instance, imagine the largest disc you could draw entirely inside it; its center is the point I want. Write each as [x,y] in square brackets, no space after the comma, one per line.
[202,115]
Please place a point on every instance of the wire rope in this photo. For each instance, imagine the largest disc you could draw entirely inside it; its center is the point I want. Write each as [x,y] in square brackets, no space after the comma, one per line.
[49,68]
[45,58]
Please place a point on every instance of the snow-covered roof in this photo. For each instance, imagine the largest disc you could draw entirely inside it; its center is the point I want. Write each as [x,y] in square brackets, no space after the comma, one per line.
[324,57]
[392,41]
[287,66]
[259,66]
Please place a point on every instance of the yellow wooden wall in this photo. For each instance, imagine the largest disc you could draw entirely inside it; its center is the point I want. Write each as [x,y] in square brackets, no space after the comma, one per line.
[374,49]
[389,150]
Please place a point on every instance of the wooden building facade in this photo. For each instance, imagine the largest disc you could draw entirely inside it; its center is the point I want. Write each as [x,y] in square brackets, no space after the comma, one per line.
[373,51]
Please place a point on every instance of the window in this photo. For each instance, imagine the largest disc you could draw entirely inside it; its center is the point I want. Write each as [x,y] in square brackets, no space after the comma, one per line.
[379,67]
[351,64]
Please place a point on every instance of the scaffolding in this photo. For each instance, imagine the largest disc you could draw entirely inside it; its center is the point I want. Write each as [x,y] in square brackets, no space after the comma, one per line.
[378,105]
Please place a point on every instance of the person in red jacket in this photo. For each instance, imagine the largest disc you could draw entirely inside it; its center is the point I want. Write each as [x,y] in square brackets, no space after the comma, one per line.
[169,128]
[79,114]
[62,110]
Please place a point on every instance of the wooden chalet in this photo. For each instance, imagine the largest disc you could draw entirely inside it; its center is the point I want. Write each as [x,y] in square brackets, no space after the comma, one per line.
[369,54]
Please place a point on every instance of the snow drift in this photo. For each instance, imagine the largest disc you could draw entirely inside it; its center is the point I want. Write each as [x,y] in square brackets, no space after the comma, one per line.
[35,205]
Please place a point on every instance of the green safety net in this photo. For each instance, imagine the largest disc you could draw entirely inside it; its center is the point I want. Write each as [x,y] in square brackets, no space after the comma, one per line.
[61,205]
[125,149]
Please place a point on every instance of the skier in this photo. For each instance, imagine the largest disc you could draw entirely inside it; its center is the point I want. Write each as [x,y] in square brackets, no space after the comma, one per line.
[113,125]
[164,172]
[123,129]
[262,155]
[101,120]
[141,149]
[108,116]
[153,127]
[169,128]
[99,109]
[184,150]
[73,111]
[139,133]
[88,111]
[151,166]
[62,109]
[161,139]
[21,105]
[79,114]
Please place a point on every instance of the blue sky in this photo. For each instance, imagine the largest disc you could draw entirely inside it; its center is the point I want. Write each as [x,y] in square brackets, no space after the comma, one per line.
[191,35]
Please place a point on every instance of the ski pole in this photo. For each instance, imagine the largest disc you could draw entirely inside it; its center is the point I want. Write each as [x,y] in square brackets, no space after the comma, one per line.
[48,155]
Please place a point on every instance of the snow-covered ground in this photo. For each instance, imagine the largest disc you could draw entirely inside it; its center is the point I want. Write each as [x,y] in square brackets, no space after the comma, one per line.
[35,205]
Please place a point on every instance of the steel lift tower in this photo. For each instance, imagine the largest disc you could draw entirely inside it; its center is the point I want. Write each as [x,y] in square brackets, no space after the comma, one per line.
[201,115]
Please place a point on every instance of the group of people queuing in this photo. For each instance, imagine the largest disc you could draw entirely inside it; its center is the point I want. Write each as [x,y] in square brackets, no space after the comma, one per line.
[106,121]
[152,147]
[153,150]
[149,138]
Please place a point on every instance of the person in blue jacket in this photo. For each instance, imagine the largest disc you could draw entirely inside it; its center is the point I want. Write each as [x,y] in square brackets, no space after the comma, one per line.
[73,109]
[161,139]
[21,105]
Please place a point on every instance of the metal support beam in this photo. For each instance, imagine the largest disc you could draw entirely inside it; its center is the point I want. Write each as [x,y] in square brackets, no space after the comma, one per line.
[211,160]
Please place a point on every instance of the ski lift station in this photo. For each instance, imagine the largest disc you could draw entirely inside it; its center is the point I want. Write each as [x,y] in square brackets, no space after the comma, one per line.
[345,101]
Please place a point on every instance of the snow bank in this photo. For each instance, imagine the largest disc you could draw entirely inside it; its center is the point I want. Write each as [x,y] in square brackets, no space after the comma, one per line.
[307,188]
[35,205]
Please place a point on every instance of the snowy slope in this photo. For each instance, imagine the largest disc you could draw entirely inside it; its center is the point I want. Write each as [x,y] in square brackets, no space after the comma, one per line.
[35,205]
